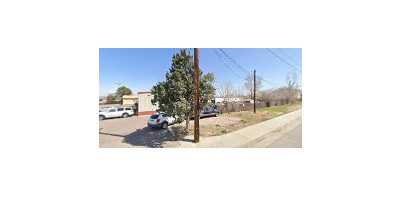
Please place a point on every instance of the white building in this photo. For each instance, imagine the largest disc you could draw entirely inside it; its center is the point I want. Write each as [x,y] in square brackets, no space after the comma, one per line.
[219,100]
[145,105]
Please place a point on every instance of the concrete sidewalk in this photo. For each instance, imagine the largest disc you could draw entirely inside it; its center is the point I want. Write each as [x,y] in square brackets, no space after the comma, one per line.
[243,136]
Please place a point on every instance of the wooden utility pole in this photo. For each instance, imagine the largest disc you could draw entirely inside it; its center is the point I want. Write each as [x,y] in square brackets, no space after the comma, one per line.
[197,97]
[254,91]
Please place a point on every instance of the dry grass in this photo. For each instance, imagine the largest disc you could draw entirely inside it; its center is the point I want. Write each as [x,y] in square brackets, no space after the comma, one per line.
[210,126]
[229,122]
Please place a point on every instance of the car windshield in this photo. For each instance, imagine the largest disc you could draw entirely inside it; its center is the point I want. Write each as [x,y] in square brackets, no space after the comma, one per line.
[154,116]
[104,109]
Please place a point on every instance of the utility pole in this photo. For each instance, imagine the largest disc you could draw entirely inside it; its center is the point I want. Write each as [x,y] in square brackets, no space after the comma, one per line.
[254,92]
[197,98]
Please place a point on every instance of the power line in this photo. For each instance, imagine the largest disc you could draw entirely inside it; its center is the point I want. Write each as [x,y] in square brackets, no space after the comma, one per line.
[269,81]
[232,60]
[283,60]
[289,57]
[226,65]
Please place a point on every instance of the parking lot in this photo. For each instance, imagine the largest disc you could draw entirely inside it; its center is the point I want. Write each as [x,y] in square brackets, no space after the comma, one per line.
[132,132]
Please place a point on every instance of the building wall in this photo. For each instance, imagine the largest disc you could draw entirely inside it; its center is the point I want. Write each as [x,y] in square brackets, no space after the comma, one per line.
[219,100]
[235,99]
[232,99]
[129,101]
[145,105]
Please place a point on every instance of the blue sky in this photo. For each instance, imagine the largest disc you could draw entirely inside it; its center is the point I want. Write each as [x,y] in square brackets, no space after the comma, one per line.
[141,68]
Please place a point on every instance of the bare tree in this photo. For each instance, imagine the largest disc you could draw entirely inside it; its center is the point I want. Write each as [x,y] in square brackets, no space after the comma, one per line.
[292,85]
[249,84]
[267,95]
[240,92]
[226,91]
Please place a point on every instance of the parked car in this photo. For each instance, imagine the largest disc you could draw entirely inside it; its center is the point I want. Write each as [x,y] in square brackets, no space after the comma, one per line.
[115,112]
[101,109]
[160,120]
[207,113]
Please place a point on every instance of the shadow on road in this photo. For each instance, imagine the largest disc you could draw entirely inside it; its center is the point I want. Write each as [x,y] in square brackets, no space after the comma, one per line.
[152,138]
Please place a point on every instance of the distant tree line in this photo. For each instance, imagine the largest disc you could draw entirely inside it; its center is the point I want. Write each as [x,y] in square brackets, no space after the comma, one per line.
[116,98]
[291,91]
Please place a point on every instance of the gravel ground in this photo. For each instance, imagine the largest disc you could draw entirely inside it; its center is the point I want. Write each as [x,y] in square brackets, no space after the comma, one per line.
[228,122]
[212,121]
[210,126]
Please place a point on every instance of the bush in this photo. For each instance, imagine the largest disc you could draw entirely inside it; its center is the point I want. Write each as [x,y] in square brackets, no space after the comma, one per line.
[111,99]
[113,102]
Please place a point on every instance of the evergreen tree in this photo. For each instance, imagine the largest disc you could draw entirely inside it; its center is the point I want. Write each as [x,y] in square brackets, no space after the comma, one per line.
[176,94]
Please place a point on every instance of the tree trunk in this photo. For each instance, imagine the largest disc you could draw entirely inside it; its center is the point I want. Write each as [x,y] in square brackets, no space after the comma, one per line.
[187,122]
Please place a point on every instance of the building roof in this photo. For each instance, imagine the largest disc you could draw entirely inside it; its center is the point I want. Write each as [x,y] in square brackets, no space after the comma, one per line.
[144,92]
[130,96]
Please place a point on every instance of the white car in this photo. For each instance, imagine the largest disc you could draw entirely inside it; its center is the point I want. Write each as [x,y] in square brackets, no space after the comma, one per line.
[160,120]
[115,112]
[101,109]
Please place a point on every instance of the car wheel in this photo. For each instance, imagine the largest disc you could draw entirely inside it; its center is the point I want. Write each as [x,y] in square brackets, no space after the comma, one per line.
[101,117]
[164,125]
[124,115]
[216,114]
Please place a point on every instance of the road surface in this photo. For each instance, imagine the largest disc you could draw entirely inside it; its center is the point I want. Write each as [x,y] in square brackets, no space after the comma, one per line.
[293,139]
[132,132]
[288,136]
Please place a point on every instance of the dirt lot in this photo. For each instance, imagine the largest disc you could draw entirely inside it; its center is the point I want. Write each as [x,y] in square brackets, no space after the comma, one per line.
[229,122]
[132,132]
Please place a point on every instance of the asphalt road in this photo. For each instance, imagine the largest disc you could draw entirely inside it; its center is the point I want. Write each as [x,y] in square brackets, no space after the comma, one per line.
[288,136]
[132,132]
[293,139]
